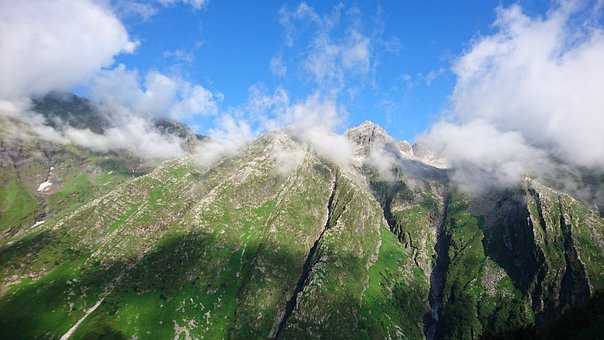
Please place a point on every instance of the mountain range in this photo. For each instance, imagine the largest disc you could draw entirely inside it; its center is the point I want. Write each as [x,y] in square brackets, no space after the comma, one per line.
[278,241]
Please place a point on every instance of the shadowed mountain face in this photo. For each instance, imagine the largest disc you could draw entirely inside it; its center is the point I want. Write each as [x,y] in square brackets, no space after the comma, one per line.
[105,245]
[64,109]
[69,109]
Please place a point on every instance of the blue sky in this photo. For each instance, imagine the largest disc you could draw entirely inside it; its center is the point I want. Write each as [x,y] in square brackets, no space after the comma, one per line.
[227,47]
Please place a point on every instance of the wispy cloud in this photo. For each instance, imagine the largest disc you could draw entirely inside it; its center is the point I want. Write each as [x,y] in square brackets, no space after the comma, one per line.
[180,55]
[196,4]
[334,59]
[277,66]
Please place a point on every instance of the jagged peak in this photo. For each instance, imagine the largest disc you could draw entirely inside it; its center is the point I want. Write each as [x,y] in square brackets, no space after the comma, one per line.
[367,127]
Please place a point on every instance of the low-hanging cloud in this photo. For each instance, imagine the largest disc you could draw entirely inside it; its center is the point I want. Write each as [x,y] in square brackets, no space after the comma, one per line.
[227,138]
[134,134]
[527,92]
[314,121]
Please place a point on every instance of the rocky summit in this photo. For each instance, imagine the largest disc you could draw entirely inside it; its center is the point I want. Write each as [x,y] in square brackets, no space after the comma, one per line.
[262,244]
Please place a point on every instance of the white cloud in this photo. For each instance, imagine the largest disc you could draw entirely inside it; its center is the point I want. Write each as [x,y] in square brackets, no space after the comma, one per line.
[432,75]
[314,121]
[504,155]
[145,9]
[135,134]
[264,107]
[532,87]
[277,66]
[288,158]
[158,95]
[53,45]
[382,161]
[228,137]
[329,62]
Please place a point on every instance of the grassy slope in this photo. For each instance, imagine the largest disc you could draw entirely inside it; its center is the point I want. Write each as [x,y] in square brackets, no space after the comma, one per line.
[471,303]
[17,204]
[394,302]
[330,304]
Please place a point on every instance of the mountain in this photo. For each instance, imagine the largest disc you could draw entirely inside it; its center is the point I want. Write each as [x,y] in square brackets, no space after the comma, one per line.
[245,249]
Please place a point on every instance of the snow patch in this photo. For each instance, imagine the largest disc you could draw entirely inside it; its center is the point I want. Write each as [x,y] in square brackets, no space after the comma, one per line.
[44,186]
[38,223]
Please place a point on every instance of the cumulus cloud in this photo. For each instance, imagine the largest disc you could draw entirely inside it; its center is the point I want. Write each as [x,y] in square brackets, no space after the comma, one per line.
[52,45]
[158,95]
[531,89]
[484,156]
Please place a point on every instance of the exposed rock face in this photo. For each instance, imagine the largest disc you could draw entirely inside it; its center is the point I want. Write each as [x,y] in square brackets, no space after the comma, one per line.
[367,135]
[244,249]
[423,152]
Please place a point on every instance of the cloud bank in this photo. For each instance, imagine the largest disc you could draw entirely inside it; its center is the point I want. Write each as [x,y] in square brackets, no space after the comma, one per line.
[530,91]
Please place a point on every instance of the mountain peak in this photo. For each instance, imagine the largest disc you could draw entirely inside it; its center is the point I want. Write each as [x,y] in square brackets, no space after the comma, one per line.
[368,127]
[367,133]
